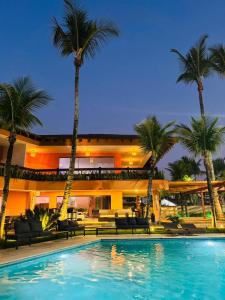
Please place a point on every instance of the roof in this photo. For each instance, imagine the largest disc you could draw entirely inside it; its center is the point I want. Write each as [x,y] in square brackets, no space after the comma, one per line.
[65,139]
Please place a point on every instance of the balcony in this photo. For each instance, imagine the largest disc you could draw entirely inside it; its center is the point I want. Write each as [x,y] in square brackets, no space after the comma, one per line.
[79,174]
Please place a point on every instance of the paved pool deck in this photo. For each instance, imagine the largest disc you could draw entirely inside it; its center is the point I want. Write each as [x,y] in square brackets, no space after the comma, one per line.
[10,255]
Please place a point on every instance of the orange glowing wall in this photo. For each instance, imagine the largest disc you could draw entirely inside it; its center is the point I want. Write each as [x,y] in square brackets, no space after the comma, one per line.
[51,160]
[17,203]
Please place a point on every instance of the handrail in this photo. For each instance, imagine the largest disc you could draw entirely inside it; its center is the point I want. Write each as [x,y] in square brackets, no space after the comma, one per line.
[79,174]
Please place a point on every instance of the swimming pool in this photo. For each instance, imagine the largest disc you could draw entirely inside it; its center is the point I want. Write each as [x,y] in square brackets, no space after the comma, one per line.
[122,269]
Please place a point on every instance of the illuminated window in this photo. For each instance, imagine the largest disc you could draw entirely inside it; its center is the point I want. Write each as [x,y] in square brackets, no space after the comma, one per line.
[42,202]
[88,162]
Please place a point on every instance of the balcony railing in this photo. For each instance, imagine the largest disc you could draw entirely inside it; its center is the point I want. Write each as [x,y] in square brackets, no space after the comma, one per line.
[79,174]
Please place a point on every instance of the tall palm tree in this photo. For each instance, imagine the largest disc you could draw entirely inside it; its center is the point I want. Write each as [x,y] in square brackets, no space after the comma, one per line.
[196,66]
[18,102]
[203,137]
[156,139]
[80,37]
[185,166]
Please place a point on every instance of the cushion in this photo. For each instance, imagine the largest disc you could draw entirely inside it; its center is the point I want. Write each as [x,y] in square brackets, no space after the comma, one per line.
[21,227]
[131,221]
[63,225]
[142,221]
[36,226]
[73,223]
[121,222]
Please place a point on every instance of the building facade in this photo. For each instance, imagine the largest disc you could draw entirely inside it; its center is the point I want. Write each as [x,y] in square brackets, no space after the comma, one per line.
[110,172]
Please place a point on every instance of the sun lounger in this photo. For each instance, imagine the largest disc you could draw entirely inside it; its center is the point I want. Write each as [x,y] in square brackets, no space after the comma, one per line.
[70,226]
[172,228]
[190,228]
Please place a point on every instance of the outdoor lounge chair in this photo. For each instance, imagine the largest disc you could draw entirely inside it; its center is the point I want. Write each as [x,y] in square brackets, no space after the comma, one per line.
[70,226]
[132,223]
[22,233]
[172,228]
[190,228]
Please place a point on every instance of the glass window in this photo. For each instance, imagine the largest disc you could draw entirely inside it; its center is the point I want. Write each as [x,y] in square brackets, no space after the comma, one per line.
[129,202]
[88,162]
[42,202]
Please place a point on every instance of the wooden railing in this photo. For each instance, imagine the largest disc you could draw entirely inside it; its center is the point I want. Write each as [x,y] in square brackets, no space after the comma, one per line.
[79,174]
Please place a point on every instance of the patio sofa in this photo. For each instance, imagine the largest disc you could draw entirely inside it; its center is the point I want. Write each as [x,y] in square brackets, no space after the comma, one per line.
[28,231]
[132,223]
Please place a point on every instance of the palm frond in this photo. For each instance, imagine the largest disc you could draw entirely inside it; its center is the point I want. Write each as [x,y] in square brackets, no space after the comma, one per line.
[78,34]
[196,63]
[18,102]
[155,138]
[218,59]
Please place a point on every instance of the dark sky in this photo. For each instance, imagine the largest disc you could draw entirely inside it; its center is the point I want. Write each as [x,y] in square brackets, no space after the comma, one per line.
[132,77]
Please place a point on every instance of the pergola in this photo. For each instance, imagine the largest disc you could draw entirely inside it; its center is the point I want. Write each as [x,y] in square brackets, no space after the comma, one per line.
[185,188]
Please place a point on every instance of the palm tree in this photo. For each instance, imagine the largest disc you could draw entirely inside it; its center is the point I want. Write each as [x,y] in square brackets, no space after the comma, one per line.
[203,137]
[185,166]
[80,37]
[18,102]
[156,139]
[219,168]
[196,65]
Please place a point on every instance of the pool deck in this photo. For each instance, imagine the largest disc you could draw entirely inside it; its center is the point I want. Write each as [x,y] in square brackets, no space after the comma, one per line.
[10,255]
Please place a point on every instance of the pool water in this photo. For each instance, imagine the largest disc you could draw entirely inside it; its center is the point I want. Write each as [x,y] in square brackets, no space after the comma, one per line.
[123,269]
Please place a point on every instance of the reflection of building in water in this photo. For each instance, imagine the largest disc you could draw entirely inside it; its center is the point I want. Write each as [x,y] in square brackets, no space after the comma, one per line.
[117,258]
[159,253]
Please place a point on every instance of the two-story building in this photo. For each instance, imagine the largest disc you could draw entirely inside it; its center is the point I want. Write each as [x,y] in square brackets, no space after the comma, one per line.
[110,172]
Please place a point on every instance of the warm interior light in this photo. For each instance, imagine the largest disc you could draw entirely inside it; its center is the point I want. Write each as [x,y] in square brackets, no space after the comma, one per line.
[130,163]
[33,153]
[87,153]
[134,153]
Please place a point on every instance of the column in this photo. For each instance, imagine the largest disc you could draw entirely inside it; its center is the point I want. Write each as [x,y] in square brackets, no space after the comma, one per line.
[117,200]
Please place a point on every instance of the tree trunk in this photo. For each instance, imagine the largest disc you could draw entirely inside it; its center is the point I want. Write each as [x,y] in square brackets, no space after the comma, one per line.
[150,178]
[218,208]
[70,175]
[210,190]
[7,175]
[200,97]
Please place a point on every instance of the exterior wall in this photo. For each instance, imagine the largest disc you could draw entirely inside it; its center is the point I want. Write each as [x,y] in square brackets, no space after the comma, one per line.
[19,154]
[23,192]
[17,203]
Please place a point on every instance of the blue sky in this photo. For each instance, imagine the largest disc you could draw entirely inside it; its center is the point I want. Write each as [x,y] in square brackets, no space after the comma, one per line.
[132,77]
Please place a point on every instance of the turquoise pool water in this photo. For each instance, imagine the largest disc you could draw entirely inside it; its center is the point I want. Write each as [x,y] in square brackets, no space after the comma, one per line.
[151,269]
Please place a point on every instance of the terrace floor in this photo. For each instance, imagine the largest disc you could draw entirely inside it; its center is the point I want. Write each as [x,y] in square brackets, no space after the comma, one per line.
[10,255]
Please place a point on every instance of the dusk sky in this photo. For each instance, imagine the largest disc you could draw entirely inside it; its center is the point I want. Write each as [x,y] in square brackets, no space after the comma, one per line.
[132,77]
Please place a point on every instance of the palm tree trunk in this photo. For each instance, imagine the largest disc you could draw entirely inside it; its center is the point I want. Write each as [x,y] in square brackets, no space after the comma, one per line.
[200,96]
[218,208]
[70,175]
[210,189]
[7,175]
[150,178]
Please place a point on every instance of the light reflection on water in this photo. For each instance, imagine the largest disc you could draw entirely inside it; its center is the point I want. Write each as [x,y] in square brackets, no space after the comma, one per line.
[122,270]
